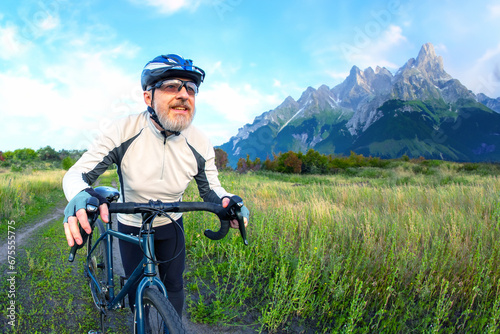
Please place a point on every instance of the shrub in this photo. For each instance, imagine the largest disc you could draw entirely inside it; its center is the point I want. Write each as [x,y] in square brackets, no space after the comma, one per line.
[67,163]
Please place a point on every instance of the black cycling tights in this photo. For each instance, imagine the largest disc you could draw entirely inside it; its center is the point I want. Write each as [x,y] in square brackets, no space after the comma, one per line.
[169,241]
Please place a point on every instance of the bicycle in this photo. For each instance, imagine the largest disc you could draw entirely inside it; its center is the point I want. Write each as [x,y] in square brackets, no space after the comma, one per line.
[153,312]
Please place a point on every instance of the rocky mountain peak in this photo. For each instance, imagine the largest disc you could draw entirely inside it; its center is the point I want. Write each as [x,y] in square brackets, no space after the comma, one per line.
[430,64]
[426,53]
[425,78]
[287,103]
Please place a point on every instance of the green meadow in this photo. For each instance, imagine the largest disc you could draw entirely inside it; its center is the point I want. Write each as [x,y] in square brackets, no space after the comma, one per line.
[408,248]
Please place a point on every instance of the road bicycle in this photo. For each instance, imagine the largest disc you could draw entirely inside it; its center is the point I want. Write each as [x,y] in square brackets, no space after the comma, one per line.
[153,312]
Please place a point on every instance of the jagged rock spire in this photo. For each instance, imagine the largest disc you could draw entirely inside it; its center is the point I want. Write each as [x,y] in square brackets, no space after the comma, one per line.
[431,65]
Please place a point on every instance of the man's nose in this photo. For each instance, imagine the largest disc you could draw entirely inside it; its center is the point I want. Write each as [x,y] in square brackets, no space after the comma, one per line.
[182,93]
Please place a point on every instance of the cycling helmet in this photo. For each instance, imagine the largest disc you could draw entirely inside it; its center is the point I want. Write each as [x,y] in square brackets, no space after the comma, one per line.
[168,66]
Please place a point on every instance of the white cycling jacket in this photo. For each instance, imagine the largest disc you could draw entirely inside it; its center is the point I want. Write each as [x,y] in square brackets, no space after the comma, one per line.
[150,166]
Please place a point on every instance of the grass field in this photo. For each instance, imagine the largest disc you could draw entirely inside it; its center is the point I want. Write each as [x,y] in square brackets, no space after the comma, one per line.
[393,251]
[397,250]
[26,196]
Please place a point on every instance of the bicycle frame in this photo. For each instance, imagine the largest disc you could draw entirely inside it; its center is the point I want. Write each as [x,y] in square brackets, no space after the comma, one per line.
[145,273]
[146,267]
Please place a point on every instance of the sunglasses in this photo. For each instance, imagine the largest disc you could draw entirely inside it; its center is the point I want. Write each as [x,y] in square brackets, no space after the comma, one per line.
[173,86]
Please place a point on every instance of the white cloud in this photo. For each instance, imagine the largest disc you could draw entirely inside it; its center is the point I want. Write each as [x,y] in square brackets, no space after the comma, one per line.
[232,106]
[366,51]
[494,10]
[170,6]
[49,23]
[236,103]
[483,76]
[11,46]
[338,75]
[66,101]
[70,113]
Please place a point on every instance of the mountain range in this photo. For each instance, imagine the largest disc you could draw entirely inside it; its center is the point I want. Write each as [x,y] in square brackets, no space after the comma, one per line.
[420,111]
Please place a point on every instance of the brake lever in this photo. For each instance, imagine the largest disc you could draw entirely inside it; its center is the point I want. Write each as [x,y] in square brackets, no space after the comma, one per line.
[241,223]
[92,213]
[235,205]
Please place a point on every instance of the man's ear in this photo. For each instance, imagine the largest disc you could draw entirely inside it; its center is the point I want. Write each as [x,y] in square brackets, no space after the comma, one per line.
[147,97]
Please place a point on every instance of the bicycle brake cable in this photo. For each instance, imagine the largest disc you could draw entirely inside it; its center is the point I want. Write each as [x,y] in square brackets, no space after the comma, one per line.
[152,218]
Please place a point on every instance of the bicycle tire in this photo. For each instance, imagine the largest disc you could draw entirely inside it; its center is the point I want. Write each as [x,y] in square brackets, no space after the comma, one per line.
[98,266]
[159,312]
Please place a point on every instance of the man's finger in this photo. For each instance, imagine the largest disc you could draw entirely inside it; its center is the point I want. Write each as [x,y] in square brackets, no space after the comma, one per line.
[234,223]
[74,230]
[104,212]
[225,202]
[84,222]
[69,237]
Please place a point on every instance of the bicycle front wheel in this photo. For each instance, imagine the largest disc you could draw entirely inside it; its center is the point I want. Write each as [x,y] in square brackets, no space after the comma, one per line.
[159,314]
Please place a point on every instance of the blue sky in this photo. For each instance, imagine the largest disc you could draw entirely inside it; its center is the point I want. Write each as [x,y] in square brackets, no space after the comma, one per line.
[69,68]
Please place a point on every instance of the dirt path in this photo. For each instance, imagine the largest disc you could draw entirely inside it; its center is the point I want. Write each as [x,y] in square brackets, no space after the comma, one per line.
[23,235]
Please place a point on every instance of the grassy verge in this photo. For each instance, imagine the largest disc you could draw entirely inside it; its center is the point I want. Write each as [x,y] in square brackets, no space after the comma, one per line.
[25,197]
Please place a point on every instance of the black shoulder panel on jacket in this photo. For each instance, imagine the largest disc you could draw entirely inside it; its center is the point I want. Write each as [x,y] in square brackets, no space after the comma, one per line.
[206,193]
[114,156]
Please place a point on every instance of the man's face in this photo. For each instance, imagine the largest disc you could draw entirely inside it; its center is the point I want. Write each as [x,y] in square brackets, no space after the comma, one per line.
[175,109]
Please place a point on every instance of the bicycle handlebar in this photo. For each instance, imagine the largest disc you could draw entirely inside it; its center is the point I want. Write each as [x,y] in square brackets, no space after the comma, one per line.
[231,212]
[224,214]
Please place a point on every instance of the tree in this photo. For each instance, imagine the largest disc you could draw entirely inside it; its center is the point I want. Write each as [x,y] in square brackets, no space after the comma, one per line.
[271,165]
[289,162]
[241,166]
[220,159]
[314,162]
[25,155]
[67,163]
[47,153]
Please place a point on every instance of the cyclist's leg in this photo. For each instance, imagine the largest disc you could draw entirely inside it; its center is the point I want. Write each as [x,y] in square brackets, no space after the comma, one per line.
[131,256]
[169,243]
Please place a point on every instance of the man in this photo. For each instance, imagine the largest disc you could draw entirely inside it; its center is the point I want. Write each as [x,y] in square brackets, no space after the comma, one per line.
[157,152]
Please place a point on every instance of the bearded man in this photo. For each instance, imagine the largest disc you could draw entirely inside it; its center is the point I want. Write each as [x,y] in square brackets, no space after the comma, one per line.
[157,153]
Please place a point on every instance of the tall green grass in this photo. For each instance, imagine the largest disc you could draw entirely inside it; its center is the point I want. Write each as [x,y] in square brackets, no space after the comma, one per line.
[395,253]
[24,196]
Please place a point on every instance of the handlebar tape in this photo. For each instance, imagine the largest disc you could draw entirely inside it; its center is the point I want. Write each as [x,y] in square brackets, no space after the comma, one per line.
[221,233]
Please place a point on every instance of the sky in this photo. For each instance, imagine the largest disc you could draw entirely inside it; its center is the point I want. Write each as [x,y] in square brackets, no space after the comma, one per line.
[68,69]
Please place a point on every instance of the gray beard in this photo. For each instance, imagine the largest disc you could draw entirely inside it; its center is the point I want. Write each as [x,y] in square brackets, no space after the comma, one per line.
[178,123]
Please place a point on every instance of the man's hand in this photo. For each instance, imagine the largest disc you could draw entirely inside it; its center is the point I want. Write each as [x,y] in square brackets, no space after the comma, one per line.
[75,212]
[72,230]
[234,222]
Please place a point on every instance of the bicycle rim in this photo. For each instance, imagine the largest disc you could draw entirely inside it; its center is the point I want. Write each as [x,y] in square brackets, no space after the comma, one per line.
[97,267]
[159,314]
